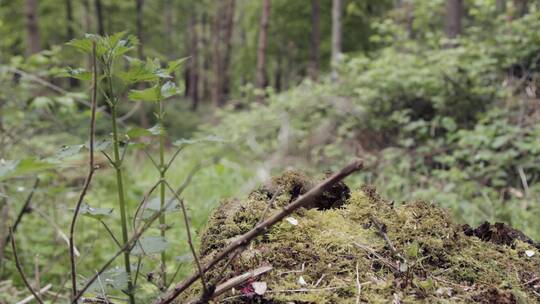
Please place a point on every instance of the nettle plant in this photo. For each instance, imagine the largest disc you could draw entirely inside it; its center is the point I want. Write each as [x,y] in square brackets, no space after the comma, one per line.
[114,76]
[114,83]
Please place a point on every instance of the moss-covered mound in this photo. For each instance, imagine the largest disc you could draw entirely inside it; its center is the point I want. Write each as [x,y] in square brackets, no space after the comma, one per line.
[357,248]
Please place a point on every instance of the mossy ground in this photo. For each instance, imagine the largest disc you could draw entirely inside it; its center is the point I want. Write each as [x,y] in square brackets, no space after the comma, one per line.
[357,248]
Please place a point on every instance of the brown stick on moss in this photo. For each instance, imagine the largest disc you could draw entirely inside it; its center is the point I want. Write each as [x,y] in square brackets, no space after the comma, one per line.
[261,228]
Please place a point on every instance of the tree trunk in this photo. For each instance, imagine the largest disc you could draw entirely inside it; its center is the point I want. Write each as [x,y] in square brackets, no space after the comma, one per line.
[315,39]
[139,27]
[206,57]
[522,8]
[226,90]
[336,36]
[194,62]
[217,56]
[99,17]
[454,10]
[168,25]
[69,18]
[263,43]
[32,28]
[501,6]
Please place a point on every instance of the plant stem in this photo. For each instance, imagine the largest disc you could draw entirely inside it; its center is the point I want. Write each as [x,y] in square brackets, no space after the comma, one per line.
[121,199]
[162,170]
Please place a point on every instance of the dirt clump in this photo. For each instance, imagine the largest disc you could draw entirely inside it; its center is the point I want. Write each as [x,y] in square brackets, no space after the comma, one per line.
[353,246]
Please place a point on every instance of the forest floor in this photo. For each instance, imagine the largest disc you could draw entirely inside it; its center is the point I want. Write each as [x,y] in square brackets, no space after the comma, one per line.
[356,247]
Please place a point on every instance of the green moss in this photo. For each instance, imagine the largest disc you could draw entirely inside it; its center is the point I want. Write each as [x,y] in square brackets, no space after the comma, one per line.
[330,249]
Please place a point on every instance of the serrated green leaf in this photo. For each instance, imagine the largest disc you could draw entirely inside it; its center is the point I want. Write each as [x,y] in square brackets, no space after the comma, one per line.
[78,73]
[137,73]
[96,213]
[42,102]
[172,66]
[16,168]
[148,95]
[113,279]
[169,89]
[82,45]
[149,245]
[65,152]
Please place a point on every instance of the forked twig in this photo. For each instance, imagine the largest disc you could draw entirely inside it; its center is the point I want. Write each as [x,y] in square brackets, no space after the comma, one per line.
[19,267]
[190,239]
[88,180]
[261,228]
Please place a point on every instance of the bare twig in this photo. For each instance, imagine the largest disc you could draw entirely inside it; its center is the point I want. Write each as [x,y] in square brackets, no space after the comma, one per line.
[358,285]
[25,208]
[32,297]
[236,281]
[381,229]
[111,233]
[261,228]
[88,180]
[19,268]
[188,233]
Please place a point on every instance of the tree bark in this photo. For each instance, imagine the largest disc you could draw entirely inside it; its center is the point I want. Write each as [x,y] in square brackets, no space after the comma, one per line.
[263,44]
[336,36]
[32,28]
[206,56]
[194,62]
[315,39]
[168,25]
[223,30]
[99,17]
[454,11]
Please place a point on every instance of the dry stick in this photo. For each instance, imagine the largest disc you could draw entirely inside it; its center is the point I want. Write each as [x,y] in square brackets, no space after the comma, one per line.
[127,246]
[190,239]
[30,298]
[236,281]
[261,228]
[382,232]
[23,210]
[19,267]
[88,180]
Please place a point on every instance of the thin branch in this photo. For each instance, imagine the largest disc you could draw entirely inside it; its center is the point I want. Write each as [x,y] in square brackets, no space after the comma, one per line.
[142,204]
[152,160]
[173,158]
[111,233]
[19,267]
[261,228]
[88,180]
[381,229]
[24,209]
[108,158]
[190,239]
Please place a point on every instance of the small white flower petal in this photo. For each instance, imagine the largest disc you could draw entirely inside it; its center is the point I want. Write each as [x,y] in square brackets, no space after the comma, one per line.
[292,220]
[301,281]
[529,253]
[259,287]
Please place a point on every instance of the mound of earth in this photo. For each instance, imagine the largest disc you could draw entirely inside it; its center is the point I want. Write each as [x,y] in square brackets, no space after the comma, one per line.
[355,247]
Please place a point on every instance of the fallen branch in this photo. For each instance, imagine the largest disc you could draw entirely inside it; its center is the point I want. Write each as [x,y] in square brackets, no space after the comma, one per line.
[235,282]
[261,228]
[32,297]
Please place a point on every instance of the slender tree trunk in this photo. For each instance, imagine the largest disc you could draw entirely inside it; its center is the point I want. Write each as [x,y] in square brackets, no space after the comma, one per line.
[139,26]
[454,11]
[226,90]
[69,18]
[315,39]
[522,7]
[32,28]
[263,43]
[409,11]
[501,6]
[194,62]
[168,25]
[99,17]
[336,36]
[217,55]
[206,56]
